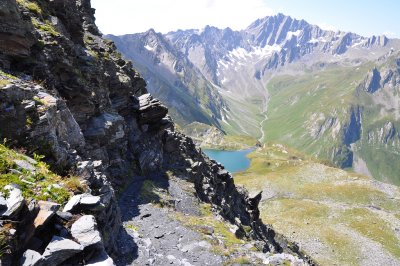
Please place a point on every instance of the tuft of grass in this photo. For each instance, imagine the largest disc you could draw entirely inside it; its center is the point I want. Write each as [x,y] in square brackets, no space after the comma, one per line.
[31,6]
[73,183]
[221,230]
[147,192]
[7,75]
[45,27]
[39,101]
[132,227]
[150,193]
[4,83]
[40,185]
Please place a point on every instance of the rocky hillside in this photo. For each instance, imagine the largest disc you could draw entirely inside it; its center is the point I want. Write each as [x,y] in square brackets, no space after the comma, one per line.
[287,81]
[98,139]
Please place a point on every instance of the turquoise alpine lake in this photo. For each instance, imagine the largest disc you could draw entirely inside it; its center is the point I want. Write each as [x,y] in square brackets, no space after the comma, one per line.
[234,161]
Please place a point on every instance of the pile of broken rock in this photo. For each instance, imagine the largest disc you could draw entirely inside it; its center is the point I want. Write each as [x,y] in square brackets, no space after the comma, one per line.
[71,236]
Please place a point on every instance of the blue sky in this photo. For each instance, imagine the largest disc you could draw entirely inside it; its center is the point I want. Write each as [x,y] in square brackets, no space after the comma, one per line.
[365,17]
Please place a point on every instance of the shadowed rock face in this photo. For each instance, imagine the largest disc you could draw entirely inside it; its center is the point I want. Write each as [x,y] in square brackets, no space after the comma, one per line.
[16,38]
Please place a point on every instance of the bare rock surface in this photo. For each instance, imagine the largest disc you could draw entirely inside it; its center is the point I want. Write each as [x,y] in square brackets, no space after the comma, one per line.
[59,250]
[84,230]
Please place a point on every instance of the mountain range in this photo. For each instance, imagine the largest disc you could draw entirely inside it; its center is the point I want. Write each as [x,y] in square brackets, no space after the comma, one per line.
[331,94]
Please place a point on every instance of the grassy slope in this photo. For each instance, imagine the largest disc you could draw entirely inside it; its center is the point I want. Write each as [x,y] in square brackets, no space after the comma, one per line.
[336,216]
[294,99]
[298,101]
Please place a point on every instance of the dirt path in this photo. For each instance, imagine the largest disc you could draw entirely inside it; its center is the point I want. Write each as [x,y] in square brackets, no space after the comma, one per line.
[261,139]
[152,237]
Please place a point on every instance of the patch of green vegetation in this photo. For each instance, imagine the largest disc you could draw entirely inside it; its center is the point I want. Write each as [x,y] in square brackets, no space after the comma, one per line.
[149,192]
[45,27]
[4,83]
[74,183]
[38,101]
[7,75]
[94,54]
[132,227]
[343,248]
[28,121]
[31,6]
[41,184]
[87,39]
[373,227]
[221,230]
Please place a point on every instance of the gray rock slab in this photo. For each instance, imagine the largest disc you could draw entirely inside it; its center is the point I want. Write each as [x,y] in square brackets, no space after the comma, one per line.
[84,230]
[60,249]
[25,165]
[15,201]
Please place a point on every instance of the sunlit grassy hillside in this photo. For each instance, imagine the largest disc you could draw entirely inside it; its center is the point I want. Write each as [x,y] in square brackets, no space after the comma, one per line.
[339,218]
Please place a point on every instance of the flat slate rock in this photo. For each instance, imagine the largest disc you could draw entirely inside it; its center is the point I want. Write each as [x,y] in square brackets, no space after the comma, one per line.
[60,249]
[15,201]
[86,201]
[24,165]
[84,230]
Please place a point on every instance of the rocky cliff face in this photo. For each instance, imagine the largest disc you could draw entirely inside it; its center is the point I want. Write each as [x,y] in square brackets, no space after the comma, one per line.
[67,94]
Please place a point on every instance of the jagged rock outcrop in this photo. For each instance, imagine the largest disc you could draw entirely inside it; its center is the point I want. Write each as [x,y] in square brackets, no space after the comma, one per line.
[376,40]
[372,81]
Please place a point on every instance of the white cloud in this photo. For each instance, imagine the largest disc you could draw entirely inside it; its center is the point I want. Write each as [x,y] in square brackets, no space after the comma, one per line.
[127,16]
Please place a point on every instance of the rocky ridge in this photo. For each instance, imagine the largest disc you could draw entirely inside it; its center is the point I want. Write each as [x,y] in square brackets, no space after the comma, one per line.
[67,94]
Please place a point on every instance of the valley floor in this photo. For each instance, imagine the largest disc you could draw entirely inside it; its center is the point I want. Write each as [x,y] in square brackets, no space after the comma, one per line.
[337,217]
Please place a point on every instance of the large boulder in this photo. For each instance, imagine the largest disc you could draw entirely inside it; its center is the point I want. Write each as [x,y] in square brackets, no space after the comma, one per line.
[84,230]
[60,249]
[151,111]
